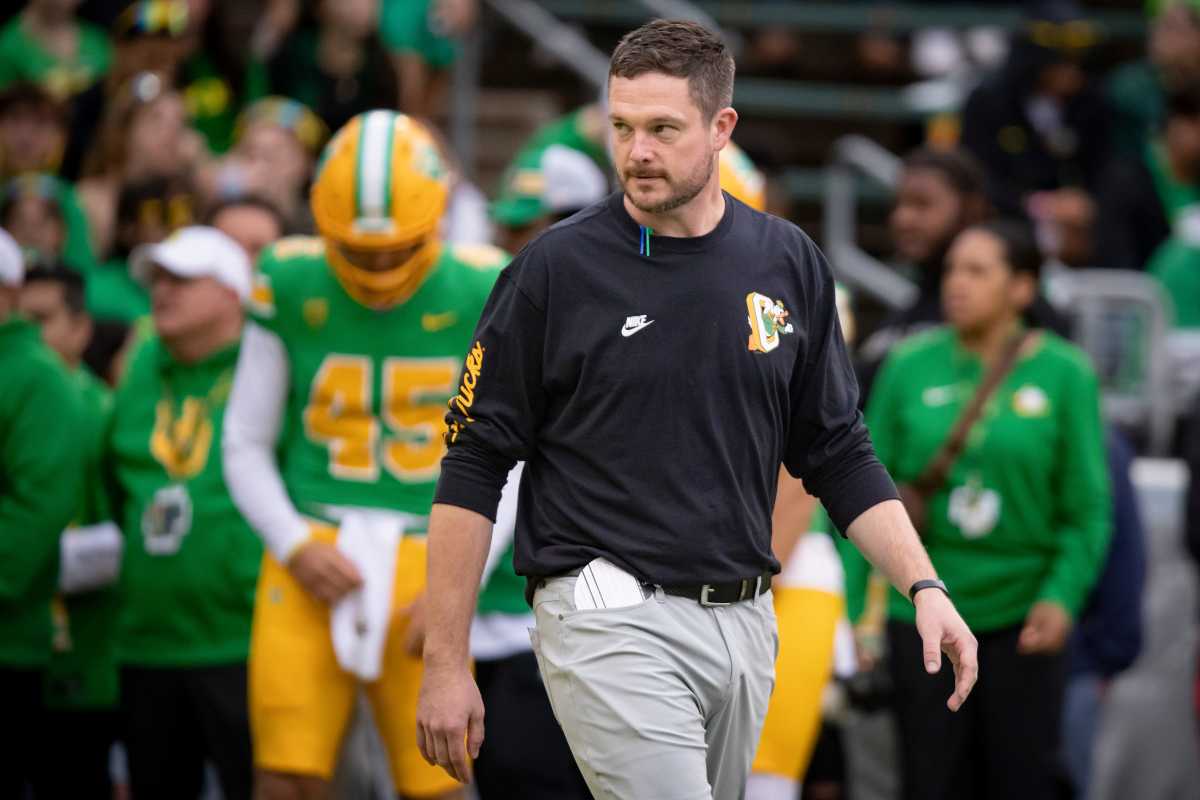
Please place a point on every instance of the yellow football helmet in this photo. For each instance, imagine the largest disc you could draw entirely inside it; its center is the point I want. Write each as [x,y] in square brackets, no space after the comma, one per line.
[381,187]
[741,178]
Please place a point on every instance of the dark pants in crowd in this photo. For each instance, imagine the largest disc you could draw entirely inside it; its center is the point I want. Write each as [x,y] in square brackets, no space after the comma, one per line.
[525,754]
[84,740]
[1003,742]
[176,720]
[23,753]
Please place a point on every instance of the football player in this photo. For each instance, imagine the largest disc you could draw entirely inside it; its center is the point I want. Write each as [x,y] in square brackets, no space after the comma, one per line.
[335,431]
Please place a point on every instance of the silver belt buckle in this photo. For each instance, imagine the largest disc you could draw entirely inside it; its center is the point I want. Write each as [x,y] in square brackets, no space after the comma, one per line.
[704,601]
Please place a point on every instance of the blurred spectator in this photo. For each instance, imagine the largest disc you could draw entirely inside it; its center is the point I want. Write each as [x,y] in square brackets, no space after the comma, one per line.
[1176,265]
[940,194]
[81,684]
[559,183]
[33,131]
[45,44]
[144,136]
[1108,638]
[250,221]
[43,214]
[420,34]
[147,212]
[1018,526]
[222,74]
[1137,91]
[338,66]
[151,36]
[275,149]
[41,471]
[1038,125]
[1145,197]
[191,562]
[1067,228]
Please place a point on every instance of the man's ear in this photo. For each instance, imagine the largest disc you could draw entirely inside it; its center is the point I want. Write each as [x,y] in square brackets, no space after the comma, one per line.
[724,121]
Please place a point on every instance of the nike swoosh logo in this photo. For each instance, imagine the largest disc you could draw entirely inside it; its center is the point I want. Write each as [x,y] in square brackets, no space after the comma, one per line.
[627,331]
[438,322]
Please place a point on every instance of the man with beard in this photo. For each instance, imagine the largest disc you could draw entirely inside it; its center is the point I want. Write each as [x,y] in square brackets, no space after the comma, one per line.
[654,360]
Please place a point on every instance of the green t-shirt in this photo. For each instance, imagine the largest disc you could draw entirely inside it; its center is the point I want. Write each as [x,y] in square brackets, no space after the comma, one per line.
[83,668]
[364,421]
[191,561]
[41,470]
[1024,514]
[407,26]
[112,293]
[214,105]
[22,58]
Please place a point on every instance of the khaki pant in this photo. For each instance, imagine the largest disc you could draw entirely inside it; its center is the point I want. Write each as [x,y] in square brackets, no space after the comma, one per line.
[663,700]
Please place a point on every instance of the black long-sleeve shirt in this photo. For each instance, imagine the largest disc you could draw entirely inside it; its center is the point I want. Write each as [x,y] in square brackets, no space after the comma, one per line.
[654,387]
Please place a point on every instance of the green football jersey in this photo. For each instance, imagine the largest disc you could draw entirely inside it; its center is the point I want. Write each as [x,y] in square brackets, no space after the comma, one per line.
[365,412]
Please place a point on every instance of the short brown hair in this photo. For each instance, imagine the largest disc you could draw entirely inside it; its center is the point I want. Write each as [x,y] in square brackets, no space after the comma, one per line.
[682,50]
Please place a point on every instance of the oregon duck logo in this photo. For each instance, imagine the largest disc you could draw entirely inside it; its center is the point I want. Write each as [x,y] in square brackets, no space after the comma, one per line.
[768,321]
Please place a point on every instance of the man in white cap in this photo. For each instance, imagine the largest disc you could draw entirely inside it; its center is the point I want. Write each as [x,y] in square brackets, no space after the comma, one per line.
[41,468]
[557,183]
[191,562]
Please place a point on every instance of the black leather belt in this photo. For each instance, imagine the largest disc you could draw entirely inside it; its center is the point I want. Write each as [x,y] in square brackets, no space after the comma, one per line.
[723,594]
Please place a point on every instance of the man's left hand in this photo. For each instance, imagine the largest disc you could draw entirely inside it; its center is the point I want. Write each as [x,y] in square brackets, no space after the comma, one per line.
[943,630]
[1046,629]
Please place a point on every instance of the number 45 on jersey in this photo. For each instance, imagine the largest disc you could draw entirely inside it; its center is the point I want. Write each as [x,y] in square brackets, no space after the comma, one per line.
[404,435]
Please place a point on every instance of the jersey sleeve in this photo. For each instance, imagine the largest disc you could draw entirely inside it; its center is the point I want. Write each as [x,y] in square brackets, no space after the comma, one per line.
[42,463]
[828,446]
[494,416]
[253,419]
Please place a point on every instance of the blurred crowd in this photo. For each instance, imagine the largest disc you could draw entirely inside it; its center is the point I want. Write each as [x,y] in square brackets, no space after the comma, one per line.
[131,132]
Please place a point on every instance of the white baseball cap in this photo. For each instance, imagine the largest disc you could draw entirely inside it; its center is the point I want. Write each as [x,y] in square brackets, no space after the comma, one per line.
[12,263]
[571,180]
[197,251]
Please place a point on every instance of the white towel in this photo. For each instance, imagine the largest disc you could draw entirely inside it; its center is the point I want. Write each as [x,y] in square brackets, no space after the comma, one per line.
[359,621]
[89,557]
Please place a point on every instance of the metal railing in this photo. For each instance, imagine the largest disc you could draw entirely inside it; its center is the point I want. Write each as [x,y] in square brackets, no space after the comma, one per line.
[1122,319]
[856,157]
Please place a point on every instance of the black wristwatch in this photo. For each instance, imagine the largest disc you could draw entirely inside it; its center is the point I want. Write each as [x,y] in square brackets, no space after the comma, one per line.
[929,583]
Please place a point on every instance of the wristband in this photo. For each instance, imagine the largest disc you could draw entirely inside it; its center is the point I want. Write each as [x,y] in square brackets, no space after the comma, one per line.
[926,584]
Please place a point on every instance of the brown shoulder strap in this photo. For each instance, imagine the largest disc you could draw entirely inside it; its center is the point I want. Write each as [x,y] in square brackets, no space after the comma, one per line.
[938,468]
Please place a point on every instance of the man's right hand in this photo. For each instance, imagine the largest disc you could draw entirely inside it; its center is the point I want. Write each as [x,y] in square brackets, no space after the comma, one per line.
[323,571]
[449,714]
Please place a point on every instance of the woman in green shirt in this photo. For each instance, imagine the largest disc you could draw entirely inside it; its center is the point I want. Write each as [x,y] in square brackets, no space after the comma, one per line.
[1018,529]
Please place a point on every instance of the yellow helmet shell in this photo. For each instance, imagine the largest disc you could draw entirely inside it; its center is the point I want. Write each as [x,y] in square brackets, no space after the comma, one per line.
[381,183]
[741,178]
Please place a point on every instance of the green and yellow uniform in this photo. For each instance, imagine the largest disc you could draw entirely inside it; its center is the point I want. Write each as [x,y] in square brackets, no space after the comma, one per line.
[1024,514]
[83,668]
[191,561]
[362,427]
[41,469]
